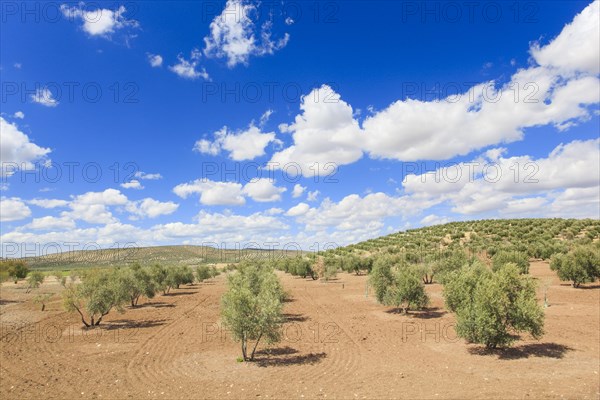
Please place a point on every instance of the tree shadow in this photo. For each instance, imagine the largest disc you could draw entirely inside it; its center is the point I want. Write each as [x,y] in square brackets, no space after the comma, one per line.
[429,313]
[547,350]
[134,324]
[284,356]
[178,293]
[4,302]
[591,286]
[294,317]
[159,304]
[396,310]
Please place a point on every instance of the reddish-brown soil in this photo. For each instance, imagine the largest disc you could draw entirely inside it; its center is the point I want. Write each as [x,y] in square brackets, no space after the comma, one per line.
[337,343]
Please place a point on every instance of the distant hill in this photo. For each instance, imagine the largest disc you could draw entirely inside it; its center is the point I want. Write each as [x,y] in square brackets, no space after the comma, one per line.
[540,238]
[185,254]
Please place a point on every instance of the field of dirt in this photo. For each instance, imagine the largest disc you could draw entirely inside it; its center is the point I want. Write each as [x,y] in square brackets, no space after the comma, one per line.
[338,343]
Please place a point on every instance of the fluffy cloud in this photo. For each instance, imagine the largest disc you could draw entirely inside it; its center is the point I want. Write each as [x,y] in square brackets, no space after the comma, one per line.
[49,203]
[49,223]
[155,60]
[189,69]
[241,145]
[19,115]
[298,210]
[312,196]
[145,176]
[44,97]
[560,89]
[325,135]
[298,190]
[151,208]
[576,48]
[100,22]
[16,147]
[133,184]
[92,207]
[493,182]
[13,209]
[230,193]
[433,219]
[212,193]
[235,36]
[263,190]
[354,212]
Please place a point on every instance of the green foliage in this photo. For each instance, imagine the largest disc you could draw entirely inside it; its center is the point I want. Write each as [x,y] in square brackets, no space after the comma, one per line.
[60,277]
[99,292]
[160,275]
[580,265]
[179,275]
[203,273]
[460,285]
[381,276]
[214,272]
[14,269]
[503,257]
[493,307]
[136,281]
[406,291]
[42,299]
[34,280]
[252,306]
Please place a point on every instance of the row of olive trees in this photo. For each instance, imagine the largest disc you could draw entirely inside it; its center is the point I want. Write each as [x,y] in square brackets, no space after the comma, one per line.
[104,290]
[491,305]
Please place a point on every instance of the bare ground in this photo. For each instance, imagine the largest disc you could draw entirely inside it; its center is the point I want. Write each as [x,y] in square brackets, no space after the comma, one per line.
[338,343]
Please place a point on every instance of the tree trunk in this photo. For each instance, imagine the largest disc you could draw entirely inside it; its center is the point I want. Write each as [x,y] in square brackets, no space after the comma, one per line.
[255,346]
[244,347]
[82,317]
[43,306]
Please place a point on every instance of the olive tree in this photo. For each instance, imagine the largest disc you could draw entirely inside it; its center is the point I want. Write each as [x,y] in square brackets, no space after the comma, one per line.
[159,275]
[580,265]
[93,298]
[203,273]
[135,282]
[42,299]
[406,291]
[252,307]
[34,280]
[503,257]
[16,269]
[493,307]
[381,277]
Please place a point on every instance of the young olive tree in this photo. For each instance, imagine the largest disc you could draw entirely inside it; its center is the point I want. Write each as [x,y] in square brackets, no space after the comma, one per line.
[381,277]
[406,291]
[252,307]
[203,273]
[580,265]
[34,280]
[42,299]
[135,282]
[95,297]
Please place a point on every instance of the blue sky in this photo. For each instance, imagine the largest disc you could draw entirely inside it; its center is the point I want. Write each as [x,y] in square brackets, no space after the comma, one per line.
[153,123]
